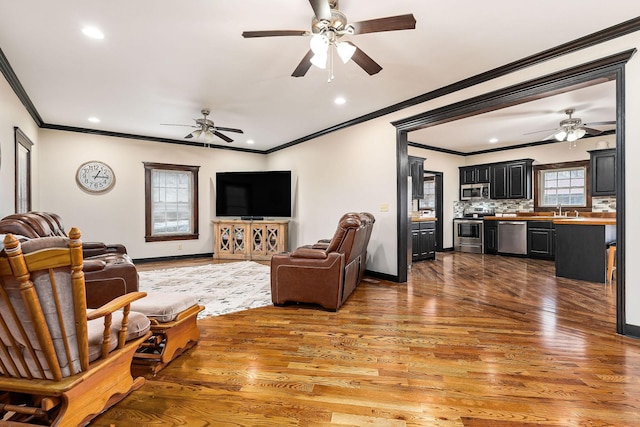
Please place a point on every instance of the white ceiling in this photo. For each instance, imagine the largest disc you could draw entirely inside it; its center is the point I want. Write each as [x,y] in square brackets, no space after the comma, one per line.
[525,123]
[162,61]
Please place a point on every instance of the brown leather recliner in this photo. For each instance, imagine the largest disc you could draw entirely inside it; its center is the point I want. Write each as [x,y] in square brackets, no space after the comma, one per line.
[109,271]
[324,274]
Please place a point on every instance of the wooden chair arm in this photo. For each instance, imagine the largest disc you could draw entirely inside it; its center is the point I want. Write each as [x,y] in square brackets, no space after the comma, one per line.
[115,304]
[123,301]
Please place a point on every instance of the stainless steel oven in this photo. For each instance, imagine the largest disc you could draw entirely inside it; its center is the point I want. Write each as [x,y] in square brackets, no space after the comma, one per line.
[468,235]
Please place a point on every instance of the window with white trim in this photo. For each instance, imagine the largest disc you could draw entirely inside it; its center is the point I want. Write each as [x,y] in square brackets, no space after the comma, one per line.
[563,187]
[171,198]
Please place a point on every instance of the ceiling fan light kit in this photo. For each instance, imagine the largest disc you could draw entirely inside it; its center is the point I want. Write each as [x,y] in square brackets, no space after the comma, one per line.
[572,129]
[328,26]
[207,129]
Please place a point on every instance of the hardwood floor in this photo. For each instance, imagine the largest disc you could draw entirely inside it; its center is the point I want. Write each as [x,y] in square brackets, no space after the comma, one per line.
[470,340]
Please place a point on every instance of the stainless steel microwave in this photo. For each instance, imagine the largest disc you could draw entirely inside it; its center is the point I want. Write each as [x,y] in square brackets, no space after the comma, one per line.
[474,191]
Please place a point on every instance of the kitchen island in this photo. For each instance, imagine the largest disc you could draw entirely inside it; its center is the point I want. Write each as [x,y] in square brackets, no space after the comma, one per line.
[580,243]
[581,247]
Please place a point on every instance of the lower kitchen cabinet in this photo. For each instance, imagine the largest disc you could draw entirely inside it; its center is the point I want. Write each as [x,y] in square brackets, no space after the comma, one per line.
[423,240]
[490,237]
[541,239]
[582,251]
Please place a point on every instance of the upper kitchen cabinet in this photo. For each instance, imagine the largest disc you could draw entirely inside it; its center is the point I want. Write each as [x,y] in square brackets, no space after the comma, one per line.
[416,170]
[511,180]
[603,172]
[475,174]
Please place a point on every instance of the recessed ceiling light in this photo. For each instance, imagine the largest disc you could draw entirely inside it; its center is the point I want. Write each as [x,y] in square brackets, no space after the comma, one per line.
[339,100]
[250,141]
[93,32]
[94,120]
[493,140]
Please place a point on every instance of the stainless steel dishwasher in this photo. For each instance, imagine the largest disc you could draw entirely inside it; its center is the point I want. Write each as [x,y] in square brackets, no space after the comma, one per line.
[512,237]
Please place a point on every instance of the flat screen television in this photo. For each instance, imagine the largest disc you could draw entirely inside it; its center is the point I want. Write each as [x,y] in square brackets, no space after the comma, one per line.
[253,195]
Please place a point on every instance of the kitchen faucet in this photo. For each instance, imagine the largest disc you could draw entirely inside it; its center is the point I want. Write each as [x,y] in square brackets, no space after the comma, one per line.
[559,209]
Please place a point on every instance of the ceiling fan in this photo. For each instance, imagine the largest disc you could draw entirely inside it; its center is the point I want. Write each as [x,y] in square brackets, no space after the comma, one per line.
[572,129]
[328,27]
[206,129]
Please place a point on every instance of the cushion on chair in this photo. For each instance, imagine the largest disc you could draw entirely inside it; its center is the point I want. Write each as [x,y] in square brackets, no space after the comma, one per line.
[138,325]
[163,306]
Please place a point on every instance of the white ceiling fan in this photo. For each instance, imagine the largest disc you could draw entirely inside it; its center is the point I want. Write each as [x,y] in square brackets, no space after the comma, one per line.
[206,129]
[572,128]
[328,27]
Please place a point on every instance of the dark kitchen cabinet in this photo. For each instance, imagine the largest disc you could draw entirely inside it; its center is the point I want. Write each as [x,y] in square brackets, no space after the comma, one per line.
[475,174]
[423,240]
[490,237]
[416,170]
[603,172]
[581,251]
[541,239]
[511,180]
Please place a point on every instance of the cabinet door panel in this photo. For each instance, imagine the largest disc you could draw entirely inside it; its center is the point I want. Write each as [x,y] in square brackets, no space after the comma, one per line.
[467,176]
[499,182]
[416,247]
[483,174]
[517,181]
[603,173]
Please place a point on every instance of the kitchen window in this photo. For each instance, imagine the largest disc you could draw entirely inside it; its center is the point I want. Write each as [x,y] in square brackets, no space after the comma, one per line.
[171,202]
[429,200]
[562,184]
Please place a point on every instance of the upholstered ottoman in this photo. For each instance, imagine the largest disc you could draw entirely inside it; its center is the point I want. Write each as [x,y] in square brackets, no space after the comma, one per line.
[173,325]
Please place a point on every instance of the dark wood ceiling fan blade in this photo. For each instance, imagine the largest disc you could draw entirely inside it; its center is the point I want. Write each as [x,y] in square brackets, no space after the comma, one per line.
[391,23]
[189,136]
[610,122]
[274,33]
[365,62]
[174,124]
[221,136]
[321,9]
[539,131]
[229,129]
[304,65]
[591,131]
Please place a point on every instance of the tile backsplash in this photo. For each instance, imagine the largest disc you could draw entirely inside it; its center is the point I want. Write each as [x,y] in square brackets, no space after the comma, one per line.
[599,204]
[603,204]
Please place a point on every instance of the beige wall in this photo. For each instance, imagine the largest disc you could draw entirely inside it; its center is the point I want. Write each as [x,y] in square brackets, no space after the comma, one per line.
[118,215]
[632,202]
[350,170]
[13,114]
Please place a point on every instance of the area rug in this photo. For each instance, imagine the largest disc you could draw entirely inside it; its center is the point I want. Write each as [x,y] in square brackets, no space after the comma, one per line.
[220,288]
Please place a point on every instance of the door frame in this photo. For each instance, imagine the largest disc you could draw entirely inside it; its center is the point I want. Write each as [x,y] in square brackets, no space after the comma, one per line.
[439,176]
[605,69]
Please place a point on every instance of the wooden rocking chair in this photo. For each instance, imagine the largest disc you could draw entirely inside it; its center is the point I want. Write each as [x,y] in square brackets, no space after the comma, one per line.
[60,365]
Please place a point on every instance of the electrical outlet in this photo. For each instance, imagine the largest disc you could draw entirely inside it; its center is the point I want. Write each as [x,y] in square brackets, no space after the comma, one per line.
[384,207]
[179,246]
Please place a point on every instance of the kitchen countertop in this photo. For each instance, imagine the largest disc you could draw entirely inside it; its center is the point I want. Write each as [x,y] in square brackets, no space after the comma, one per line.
[585,221]
[423,218]
[581,220]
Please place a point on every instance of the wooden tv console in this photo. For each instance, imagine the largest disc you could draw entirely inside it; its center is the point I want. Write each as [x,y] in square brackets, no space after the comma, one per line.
[249,239]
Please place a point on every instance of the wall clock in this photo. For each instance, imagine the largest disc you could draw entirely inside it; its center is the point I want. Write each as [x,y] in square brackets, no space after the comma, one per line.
[95,177]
